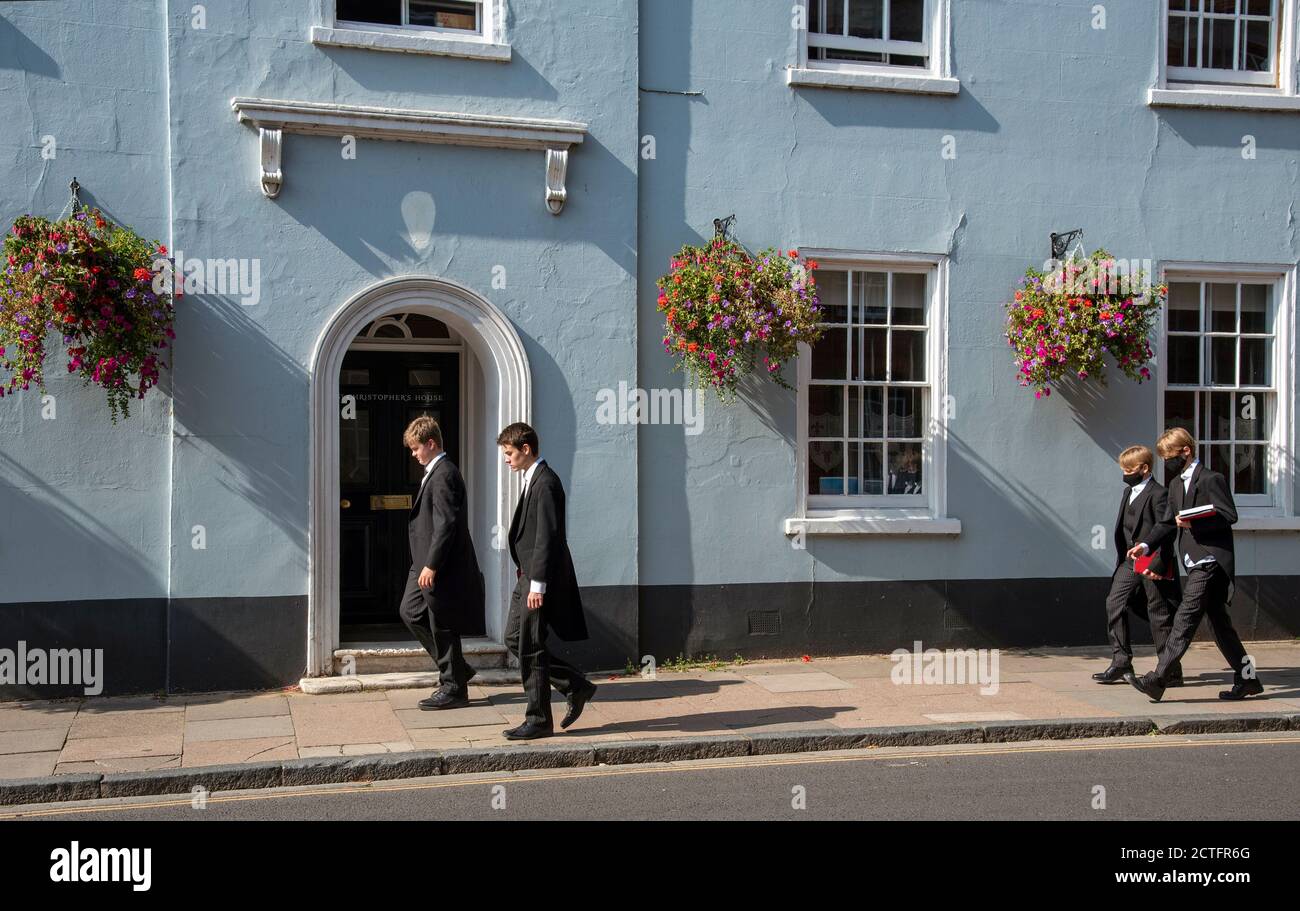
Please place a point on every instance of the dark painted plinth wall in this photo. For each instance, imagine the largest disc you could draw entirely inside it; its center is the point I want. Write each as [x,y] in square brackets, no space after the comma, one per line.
[839,618]
[156,646]
[214,644]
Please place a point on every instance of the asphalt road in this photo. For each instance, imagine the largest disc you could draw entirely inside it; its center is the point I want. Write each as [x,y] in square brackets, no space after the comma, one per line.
[1246,776]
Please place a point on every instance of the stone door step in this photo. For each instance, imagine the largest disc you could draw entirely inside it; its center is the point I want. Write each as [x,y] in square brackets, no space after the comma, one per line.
[428,680]
[370,658]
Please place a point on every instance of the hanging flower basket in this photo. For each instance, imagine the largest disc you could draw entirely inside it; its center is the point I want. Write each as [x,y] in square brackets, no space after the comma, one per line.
[726,312]
[90,284]
[1062,322]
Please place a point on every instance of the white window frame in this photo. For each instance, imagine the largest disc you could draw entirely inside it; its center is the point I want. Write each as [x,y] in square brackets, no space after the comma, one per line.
[489,43]
[885,514]
[1255,510]
[934,79]
[1210,88]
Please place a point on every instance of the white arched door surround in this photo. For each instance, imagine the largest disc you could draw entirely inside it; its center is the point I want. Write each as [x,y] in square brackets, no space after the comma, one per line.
[507,394]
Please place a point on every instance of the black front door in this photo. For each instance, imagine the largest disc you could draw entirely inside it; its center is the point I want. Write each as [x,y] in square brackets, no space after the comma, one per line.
[381,392]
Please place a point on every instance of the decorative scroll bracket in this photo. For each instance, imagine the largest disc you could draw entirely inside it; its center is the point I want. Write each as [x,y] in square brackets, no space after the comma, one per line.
[557,168]
[272,118]
[271,141]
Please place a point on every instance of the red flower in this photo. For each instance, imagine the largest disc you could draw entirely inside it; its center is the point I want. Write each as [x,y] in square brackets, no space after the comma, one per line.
[162,249]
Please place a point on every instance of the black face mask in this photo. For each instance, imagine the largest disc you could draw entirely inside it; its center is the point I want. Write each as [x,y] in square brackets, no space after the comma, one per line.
[1134,479]
[1174,467]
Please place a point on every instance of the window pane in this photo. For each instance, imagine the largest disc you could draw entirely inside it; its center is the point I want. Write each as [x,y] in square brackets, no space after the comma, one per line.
[1220,460]
[1255,306]
[1182,4]
[905,468]
[909,300]
[854,409]
[1222,356]
[872,344]
[866,18]
[1256,361]
[1184,360]
[1180,410]
[1255,47]
[444,14]
[907,20]
[814,16]
[1251,416]
[1251,470]
[825,411]
[1177,41]
[1219,32]
[835,16]
[873,401]
[385,12]
[1184,307]
[828,355]
[349,377]
[906,60]
[1218,416]
[424,377]
[1259,7]
[1221,6]
[873,297]
[905,413]
[873,468]
[1221,300]
[826,468]
[833,296]
[908,355]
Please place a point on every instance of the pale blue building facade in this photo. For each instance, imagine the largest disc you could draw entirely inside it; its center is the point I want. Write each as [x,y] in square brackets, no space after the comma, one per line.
[463,207]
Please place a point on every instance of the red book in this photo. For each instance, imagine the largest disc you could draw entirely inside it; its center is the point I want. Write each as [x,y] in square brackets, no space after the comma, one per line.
[1143,564]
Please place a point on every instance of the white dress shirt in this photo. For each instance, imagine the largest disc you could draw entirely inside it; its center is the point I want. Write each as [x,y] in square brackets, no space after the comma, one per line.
[428,469]
[1187,483]
[533,584]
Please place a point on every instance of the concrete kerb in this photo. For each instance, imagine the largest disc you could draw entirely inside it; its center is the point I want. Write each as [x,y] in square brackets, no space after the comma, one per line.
[430,763]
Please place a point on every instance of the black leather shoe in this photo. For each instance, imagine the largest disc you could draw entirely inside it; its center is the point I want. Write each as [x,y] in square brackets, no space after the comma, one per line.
[1148,685]
[577,702]
[1241,690]
[1113,674]
[1172,680]
[444,700]
[530,731]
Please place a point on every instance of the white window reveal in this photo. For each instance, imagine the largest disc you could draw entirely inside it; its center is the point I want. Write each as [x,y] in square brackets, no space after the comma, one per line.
[457,28]
[1228,53]
[1225,372]
[894,45]
[871,403]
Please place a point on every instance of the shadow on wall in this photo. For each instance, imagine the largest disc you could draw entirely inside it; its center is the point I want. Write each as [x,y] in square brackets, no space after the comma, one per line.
[251,407]
[17,52]
[85,544]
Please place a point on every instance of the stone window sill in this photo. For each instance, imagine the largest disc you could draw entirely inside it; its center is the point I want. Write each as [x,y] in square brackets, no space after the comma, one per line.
[1267,523]
[1223,100]
[409,43]
[873,81]
[873,525]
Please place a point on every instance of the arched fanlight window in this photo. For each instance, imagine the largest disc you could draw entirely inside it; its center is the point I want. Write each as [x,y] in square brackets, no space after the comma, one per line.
[414,327]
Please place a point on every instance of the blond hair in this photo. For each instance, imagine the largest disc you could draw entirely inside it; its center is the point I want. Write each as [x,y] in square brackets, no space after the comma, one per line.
[1135,457]
[422,430]
[1173,440]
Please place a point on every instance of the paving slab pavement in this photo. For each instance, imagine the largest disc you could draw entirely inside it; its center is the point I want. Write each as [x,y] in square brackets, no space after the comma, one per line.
[827,696]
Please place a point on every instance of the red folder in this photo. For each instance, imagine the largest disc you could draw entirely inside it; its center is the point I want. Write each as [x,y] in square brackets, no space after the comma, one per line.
[1142,564]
